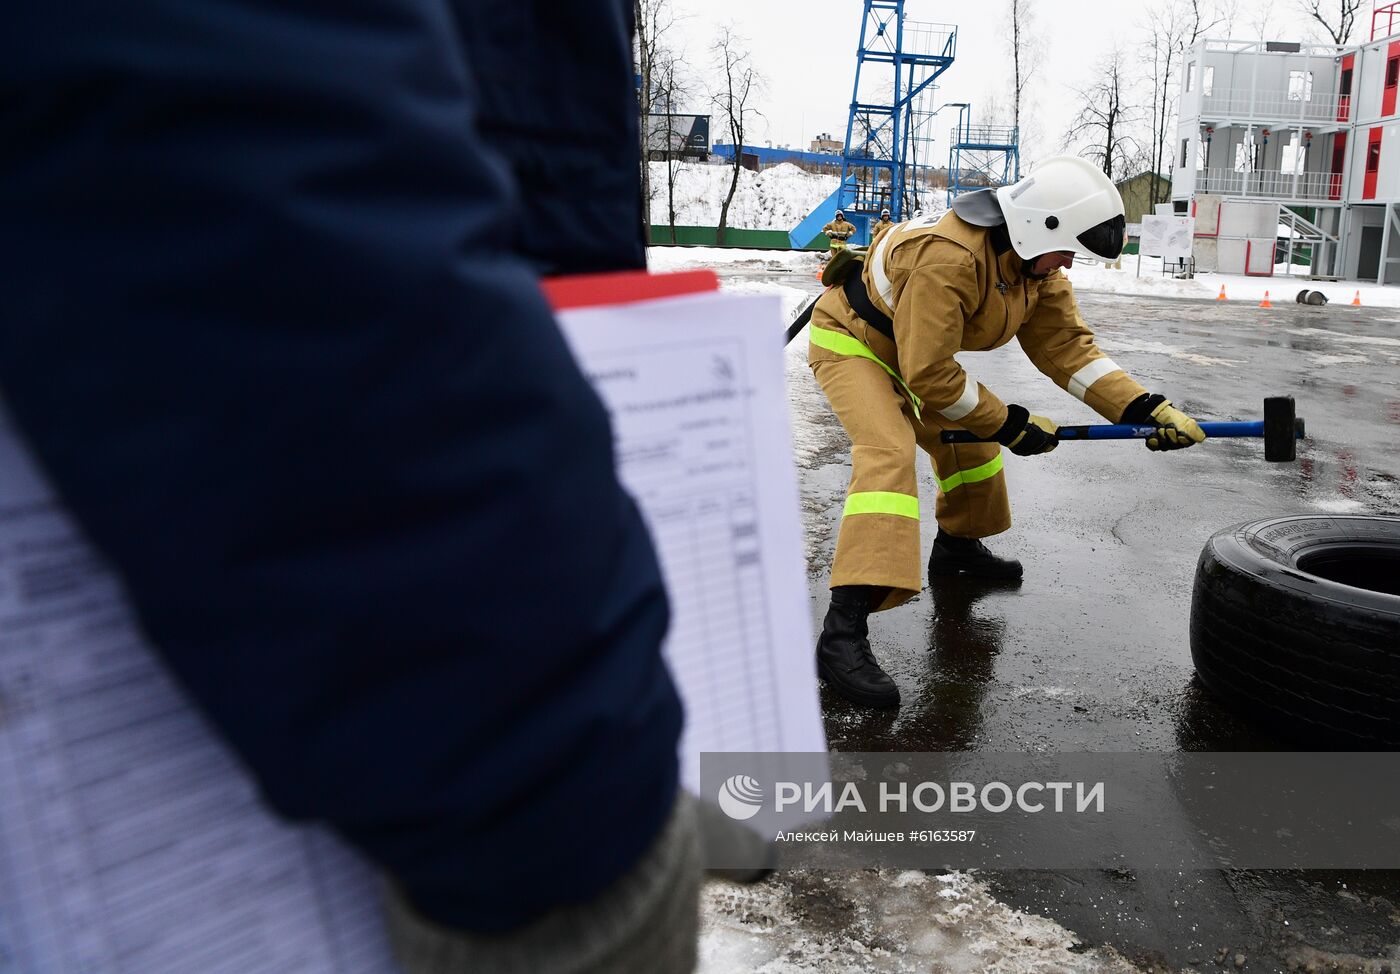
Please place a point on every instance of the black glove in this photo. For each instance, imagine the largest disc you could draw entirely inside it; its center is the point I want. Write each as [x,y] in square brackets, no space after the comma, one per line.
[1175,430]
[1025,434]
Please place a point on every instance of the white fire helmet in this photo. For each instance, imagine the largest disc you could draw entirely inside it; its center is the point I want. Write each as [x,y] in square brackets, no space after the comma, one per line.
[1066,203]
[885,211]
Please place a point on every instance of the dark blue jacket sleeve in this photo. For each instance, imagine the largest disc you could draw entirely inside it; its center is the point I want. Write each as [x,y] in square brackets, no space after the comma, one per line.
[255,328]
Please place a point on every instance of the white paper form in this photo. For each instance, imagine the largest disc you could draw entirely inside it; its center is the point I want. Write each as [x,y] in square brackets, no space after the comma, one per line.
[694,386]
[131,842]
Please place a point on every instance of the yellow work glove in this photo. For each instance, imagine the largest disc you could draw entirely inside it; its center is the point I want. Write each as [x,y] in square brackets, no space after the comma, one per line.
[1175,430]
[1025,434]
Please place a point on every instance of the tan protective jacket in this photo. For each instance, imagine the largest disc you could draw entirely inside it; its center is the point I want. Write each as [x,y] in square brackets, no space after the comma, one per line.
[840,229]
[947,291]
[878,226]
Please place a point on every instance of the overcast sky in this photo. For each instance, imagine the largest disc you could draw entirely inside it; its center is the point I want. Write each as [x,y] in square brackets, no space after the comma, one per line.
[805,49]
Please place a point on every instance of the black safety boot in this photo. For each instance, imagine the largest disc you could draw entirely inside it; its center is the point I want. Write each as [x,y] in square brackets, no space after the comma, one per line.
[844,658]
[953,555]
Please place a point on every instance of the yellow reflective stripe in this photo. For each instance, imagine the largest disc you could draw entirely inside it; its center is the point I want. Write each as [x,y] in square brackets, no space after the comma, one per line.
[841,344]
[989,469]
[881,502]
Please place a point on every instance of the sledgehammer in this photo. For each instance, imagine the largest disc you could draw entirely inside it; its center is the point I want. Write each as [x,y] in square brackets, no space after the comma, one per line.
[1281,429]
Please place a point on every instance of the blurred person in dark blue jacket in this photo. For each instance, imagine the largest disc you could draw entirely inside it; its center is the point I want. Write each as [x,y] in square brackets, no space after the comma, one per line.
[360,494]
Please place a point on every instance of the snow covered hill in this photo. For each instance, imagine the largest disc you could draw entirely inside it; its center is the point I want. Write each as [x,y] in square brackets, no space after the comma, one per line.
[776,199]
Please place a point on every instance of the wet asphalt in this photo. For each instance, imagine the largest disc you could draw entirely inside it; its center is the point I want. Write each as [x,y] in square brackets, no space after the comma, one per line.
[1091,650]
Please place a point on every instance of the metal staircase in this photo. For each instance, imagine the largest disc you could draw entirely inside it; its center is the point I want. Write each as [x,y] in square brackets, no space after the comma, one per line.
[1305,232]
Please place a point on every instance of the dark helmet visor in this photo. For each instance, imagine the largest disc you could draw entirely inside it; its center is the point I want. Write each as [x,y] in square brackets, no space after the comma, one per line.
[1105,239]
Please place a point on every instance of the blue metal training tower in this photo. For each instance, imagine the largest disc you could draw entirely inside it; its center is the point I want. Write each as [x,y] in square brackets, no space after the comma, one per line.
[981,155]
[888,127]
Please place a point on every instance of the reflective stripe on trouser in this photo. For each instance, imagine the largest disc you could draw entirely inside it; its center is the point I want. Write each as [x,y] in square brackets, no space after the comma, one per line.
[878,542]
[972,501]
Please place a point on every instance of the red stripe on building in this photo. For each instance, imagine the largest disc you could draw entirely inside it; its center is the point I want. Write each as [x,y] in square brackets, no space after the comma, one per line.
[1344,98]
[1339,159]
[1392,79]
[1372,162]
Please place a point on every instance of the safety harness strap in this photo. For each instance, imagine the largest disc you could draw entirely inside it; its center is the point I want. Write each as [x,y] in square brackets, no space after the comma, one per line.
[854,287]
[834,341]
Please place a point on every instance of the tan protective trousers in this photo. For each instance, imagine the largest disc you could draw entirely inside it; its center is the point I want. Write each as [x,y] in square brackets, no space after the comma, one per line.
[878,543]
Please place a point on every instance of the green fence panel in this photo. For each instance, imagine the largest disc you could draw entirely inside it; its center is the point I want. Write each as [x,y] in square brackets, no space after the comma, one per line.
[733,237]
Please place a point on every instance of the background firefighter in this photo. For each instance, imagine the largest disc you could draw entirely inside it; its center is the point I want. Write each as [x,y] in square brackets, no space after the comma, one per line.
[881,225]
[838,231]
[973,279]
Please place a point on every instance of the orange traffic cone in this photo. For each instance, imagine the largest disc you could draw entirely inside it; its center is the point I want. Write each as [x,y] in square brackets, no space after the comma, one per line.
[1356,301]
[1266,303]
[1221,295]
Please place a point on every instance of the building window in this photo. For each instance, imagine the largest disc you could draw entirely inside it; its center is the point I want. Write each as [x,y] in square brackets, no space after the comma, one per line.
[1242,157]
[1373,157]
[1291,158]
[1185,151]
[1207,80]
[1300,85]
[1392,72]
[1190,75]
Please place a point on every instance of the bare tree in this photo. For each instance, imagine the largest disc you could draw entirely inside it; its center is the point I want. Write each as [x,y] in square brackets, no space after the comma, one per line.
[1026,51]
[1172,28]
[1106,115]
[654,18]
[738,85]
[670,90]
[991,110]
[1337,17]
[1227,14]
[1162,52]
[1203,16]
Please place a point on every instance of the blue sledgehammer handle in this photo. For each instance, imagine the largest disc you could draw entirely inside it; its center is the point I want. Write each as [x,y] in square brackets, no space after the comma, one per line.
[1120,431]
[1280,429]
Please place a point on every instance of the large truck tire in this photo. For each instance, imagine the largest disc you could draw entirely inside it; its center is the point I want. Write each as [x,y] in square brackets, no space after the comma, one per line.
[1295,622]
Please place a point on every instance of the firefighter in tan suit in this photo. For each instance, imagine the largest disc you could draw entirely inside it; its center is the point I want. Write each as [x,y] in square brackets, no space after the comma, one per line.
[880,225]
[882,348]
[838,231]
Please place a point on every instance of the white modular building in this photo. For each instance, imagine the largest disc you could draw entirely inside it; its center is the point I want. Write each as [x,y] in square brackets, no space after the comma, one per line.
[1286,149]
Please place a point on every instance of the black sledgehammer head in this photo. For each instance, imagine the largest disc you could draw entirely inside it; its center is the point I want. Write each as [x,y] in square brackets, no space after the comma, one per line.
[1282,428]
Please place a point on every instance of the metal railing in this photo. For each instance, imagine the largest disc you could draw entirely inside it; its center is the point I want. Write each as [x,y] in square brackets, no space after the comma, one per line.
[1384,28]
[926,37]
[1271,185]
[983,135]
[1275,106]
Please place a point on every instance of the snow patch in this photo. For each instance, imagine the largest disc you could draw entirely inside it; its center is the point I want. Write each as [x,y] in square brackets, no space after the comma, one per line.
[793,299]
[1149,281]
[1339,505]
[1343,337]
[1092,276]
[1051,692]
[689,258]
[1337,359]
[1158,348]
[841,922]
